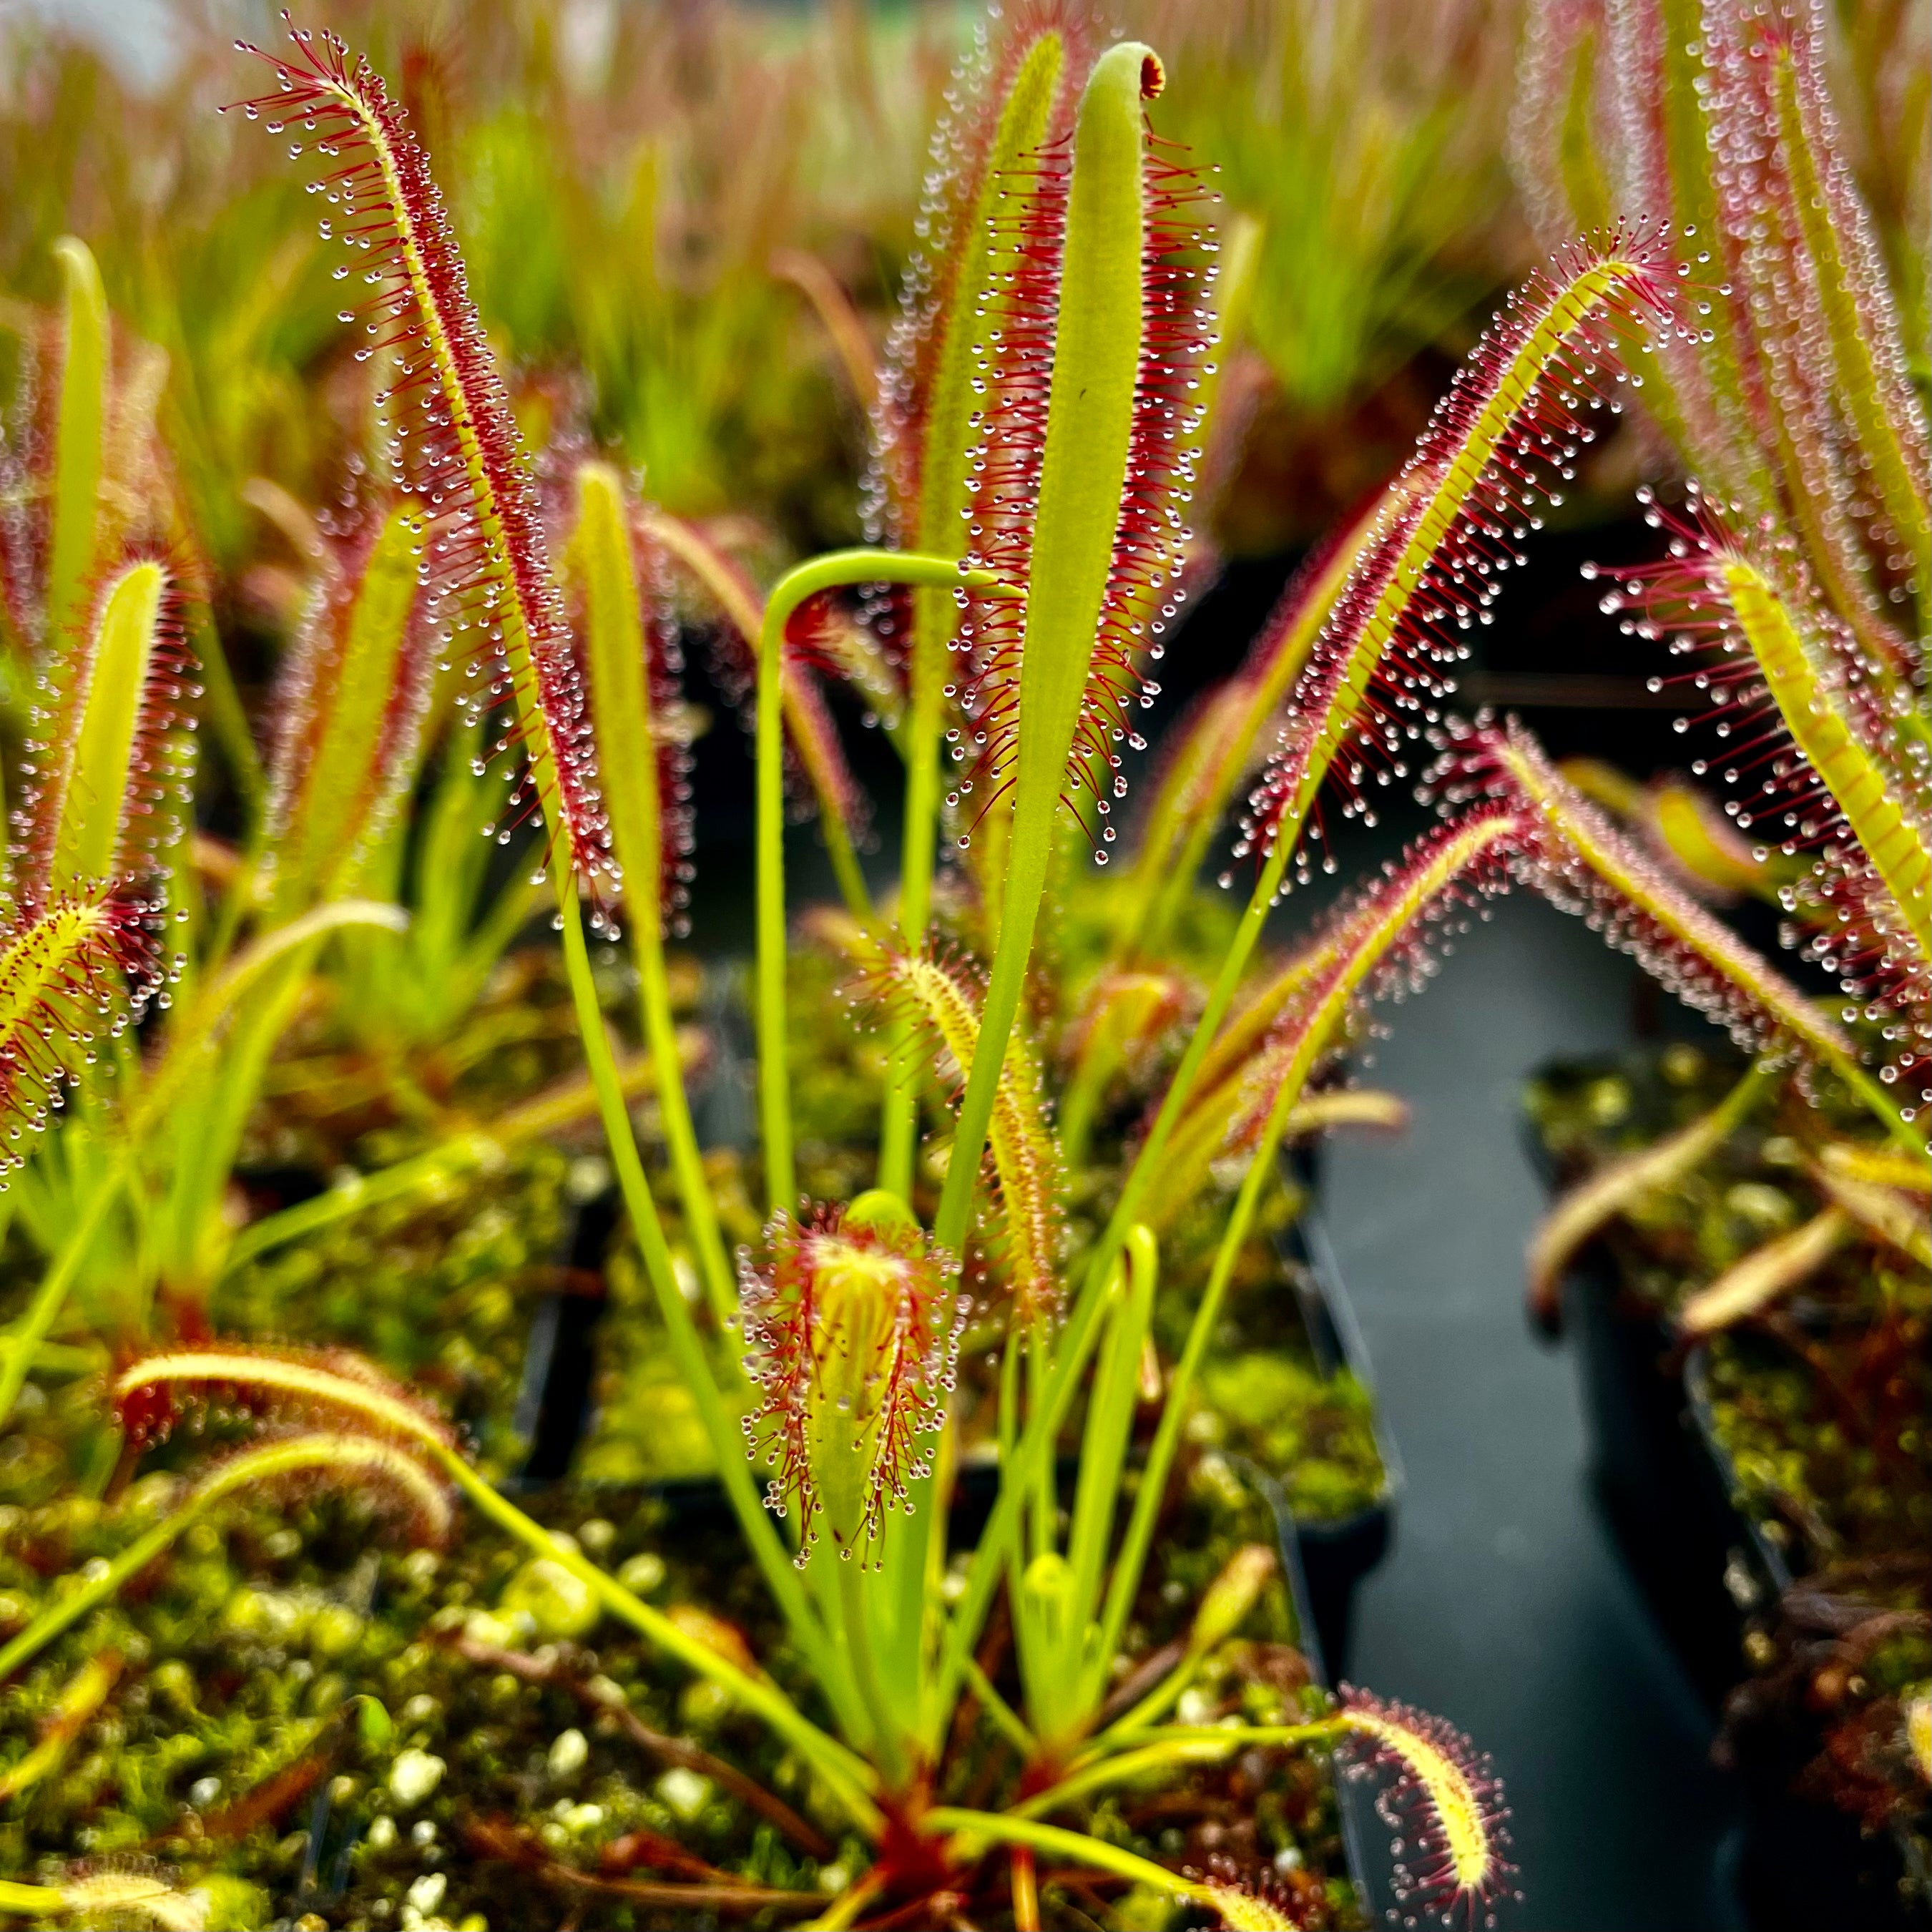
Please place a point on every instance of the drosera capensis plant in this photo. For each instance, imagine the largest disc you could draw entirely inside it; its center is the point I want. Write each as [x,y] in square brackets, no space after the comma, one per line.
[104,777]
[1794,584]
[1039,429]
[1091,236]
[1097,267]
[122,1208]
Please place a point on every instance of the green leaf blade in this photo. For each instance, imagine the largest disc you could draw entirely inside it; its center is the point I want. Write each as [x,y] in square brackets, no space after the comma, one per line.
[105,755]
[79,433]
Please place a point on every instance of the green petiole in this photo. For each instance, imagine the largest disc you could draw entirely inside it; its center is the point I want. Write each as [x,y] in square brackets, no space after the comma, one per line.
[837,569]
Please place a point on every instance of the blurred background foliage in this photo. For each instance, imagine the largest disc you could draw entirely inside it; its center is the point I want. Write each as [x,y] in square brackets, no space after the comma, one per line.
[664,203]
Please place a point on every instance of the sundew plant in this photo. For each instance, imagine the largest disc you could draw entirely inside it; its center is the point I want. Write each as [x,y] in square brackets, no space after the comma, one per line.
[1060,1007]
[1793,590]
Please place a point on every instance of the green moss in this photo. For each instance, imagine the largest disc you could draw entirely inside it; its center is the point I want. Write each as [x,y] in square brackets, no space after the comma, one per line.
[246,1652]
[1834,1483]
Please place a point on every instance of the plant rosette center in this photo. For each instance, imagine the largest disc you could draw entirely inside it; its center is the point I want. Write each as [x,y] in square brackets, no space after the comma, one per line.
[853,1348]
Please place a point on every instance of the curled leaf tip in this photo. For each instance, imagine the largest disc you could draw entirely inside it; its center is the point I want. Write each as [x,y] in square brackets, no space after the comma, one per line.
[385,1473]
[1254,1905]
[1445,1801]
[349,706]
[335,1386]
[1082,369]
[620,578]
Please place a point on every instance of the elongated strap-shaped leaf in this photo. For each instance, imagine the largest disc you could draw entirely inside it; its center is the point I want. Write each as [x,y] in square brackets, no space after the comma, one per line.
[1427,571]
[75,972]
[1876,1166]
[1822,775]
[1801,405]
[1216,1132]
[1083,473]
[351,707]
[150,1391]
[109,755]
[1450,1799]
[1749,1287]
[941,998]
[1015,97]
[1594,1203]
[1224,746]
[86,359]
[127,639]
[1790,394]
[1554,147]
[1261,1012]
[1895,846]
[1381,943]
[927,422]
[631,658]
[1246,1056]
[1104,318]
[1710,397]
[1847,284]
[1103,1451]
[1883,1212]
[488,562]
[1573,855]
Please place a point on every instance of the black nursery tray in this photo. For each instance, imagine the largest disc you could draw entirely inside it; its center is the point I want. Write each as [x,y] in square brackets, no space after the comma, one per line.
[1666,1501]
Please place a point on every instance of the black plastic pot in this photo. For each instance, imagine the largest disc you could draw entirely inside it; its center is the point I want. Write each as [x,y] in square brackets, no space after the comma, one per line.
[1799,1864]
[1707,1567]
[1336,1554]
[1667,1504]
[1367,1844]
[559,1359]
